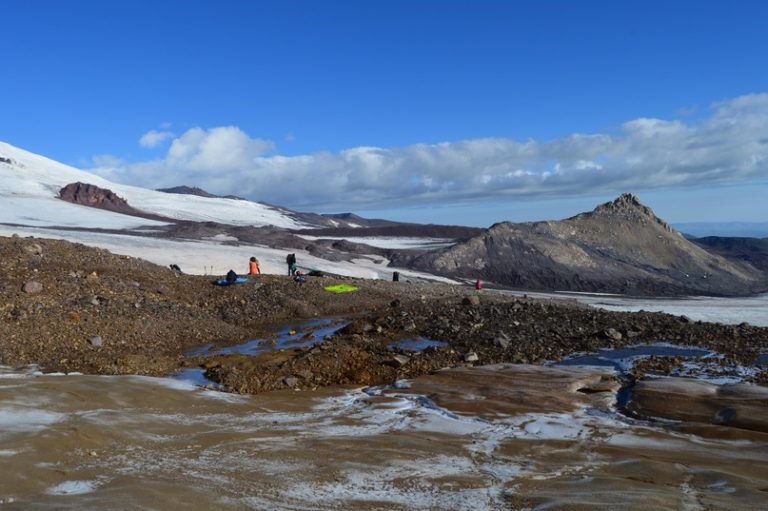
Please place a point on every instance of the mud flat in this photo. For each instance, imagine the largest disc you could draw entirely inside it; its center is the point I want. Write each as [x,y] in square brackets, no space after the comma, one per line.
[498,437]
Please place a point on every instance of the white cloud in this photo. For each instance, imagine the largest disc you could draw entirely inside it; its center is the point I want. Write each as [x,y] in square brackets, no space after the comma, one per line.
[730,145]
[154,138]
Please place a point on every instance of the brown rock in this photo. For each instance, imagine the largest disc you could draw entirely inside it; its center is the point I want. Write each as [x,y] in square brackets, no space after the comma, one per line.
[471,300]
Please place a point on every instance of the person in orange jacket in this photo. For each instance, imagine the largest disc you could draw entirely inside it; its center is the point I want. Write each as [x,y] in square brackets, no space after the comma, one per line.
[253,267]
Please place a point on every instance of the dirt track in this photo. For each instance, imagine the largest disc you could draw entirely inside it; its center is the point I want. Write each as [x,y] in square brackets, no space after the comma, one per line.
[68,307]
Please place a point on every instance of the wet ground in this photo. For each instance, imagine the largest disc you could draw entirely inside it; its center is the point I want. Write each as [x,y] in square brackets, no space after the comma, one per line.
[493,437]
[582,433]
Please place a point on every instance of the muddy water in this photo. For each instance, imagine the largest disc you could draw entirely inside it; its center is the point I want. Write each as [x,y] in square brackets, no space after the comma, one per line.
[499,437]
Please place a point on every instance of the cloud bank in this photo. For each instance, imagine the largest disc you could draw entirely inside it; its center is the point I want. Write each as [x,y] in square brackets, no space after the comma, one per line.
[729,144]
[154,138]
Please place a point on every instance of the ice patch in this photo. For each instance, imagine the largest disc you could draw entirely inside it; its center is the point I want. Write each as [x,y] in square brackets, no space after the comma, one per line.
[73,488]
[14,419]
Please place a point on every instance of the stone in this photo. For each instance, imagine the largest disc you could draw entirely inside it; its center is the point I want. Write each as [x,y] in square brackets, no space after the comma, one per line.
[502,341]
[291,381]
[471,300]
[401,360]
[32,287]
[95,340]
[613,334]
[631,334]
[471,357]
[305,375]
[33,249]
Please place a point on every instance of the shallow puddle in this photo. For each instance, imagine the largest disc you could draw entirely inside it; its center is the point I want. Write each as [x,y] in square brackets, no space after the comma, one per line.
[292,336]
[419,344]
[624,358]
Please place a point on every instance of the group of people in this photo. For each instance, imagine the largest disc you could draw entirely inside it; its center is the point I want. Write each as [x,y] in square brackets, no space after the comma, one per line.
[254,269]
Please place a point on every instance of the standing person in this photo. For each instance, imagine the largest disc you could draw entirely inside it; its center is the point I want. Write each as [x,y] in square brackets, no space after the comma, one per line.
[291,260]
[253,267]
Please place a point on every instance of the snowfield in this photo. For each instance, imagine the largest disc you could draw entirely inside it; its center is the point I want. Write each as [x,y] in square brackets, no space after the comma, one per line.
[30,176]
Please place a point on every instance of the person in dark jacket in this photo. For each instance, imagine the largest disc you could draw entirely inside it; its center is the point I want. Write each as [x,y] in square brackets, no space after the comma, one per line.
[291,260]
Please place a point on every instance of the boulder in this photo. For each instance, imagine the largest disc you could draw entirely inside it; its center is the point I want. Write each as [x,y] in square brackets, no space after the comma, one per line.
[471,300]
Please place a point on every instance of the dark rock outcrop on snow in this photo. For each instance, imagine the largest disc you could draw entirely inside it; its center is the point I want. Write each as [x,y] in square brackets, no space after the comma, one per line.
[620,247]
[93,196]
[194,190]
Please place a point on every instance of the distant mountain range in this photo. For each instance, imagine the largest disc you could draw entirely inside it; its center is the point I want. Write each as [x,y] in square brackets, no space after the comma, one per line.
[620,247]
[727,229]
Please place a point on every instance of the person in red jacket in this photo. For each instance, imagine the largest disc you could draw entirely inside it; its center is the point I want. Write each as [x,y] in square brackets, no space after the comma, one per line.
[253,267]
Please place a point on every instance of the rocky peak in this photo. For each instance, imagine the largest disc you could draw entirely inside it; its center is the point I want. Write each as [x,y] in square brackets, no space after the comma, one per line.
[629,207]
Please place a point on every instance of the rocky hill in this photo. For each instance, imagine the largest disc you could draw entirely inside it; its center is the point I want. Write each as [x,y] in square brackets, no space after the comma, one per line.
[620,247]
[752,250]
[194,190]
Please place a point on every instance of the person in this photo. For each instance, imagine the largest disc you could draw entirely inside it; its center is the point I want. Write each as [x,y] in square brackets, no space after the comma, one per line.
[231,277]
[291,260]
[253,267]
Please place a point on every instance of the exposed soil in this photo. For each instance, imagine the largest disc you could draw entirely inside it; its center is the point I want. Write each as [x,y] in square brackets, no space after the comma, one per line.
[68,307]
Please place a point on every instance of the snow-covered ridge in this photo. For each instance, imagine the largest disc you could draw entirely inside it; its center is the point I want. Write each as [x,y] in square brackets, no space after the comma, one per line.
[30,183]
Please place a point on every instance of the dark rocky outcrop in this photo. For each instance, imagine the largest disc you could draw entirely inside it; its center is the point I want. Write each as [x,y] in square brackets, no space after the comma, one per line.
[93,196]
[194,190]
[620,247]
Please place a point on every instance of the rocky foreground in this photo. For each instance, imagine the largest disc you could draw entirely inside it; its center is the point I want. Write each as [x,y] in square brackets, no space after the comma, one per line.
[67,307]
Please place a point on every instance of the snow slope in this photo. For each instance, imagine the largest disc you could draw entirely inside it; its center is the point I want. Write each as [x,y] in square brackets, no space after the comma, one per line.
[209,257]
[29,185]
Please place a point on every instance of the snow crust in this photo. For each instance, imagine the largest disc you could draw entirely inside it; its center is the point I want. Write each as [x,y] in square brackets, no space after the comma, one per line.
[209,257]
[389,241]
[31,176]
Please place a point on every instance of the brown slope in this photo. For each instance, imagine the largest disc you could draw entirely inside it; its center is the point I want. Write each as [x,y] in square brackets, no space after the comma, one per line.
[620,247]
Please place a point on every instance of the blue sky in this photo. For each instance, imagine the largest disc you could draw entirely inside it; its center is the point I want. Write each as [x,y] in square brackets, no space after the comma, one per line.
[465,112]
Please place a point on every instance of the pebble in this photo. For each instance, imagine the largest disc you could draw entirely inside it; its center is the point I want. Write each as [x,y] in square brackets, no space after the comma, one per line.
[471,357]
[32,287]
[401,360]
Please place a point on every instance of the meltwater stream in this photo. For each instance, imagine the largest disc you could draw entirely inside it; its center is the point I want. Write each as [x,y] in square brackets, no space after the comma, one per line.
[493,437]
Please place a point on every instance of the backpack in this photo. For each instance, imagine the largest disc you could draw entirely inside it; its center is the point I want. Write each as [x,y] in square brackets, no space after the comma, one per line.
[231,277]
